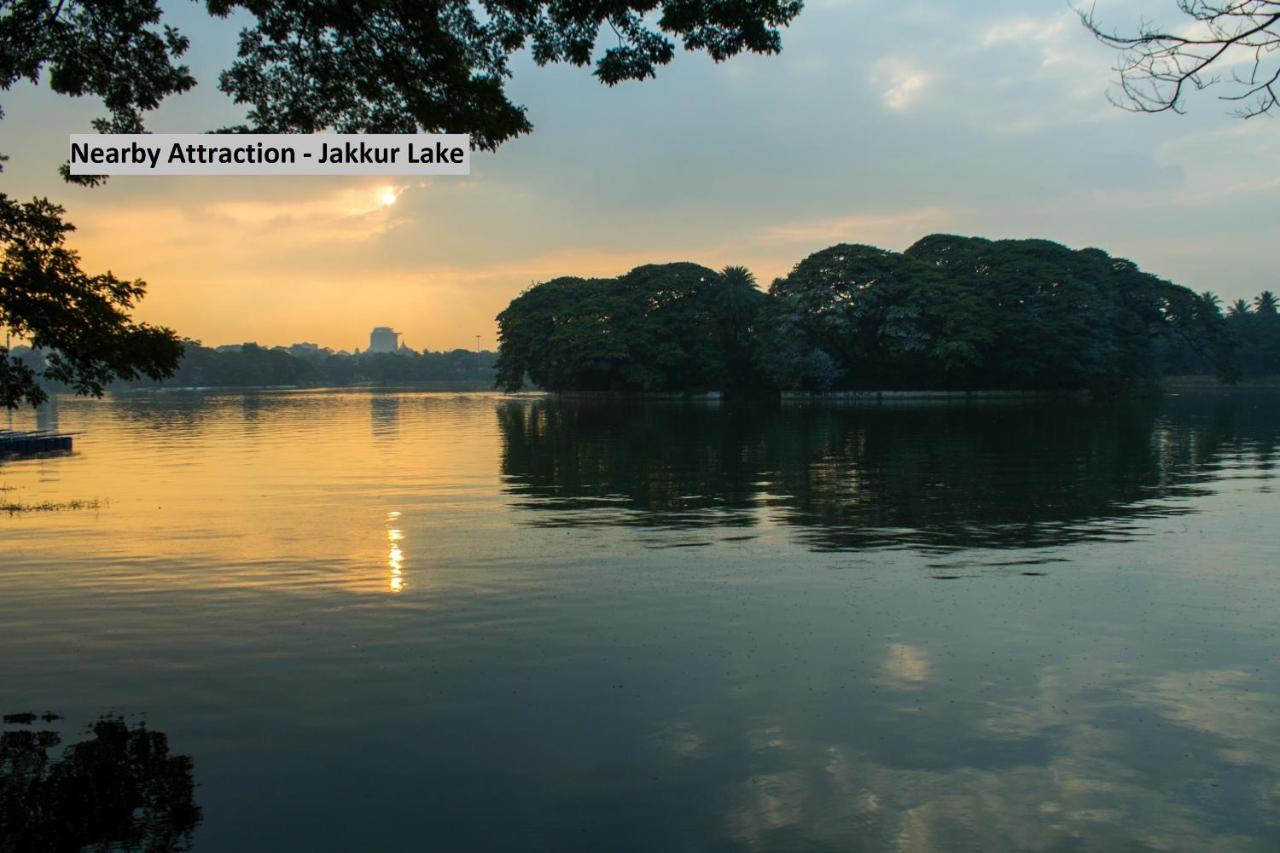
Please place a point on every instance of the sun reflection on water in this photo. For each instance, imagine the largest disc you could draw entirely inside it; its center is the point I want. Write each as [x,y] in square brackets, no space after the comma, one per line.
[395,556]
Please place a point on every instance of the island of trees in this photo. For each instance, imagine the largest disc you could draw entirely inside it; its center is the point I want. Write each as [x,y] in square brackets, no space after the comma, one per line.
[949,313]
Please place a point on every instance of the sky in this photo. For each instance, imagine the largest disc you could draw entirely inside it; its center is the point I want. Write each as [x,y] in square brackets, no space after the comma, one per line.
[879,123]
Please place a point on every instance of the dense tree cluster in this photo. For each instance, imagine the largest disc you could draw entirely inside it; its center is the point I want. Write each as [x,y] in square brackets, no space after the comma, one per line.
[250,365]
[669,327]
[949,313]
[1257,328]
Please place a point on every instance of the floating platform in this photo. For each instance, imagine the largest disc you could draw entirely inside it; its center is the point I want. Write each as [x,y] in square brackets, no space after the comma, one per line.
[30,443]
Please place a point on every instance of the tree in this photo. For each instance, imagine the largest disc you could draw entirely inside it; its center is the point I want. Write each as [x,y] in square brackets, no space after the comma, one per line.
[1257,333]
[661,327]
[369,65]
[956,312]
[115,51]
[306,66]
[81,322]
[738,304]
[1159,67]
[878,318]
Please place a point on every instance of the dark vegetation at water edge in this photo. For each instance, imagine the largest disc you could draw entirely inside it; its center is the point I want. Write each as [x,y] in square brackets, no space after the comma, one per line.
[949,313]
[250,365]
[1256,328]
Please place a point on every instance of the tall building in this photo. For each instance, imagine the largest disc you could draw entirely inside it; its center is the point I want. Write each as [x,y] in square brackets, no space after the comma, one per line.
[384,339]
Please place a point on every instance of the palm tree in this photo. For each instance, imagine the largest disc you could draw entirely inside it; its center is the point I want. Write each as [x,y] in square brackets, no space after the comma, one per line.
[1239,308]
[739,297]
[1265,302]
[1211,302]
[740,302]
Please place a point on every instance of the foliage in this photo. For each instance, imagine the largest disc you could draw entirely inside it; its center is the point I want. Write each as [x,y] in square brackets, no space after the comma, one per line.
[118,52]
[81,320]
[878,318]
[368,65]
[1256,329]
[250,365]
[661,327]
[965,313]
[949,313]
[372,66]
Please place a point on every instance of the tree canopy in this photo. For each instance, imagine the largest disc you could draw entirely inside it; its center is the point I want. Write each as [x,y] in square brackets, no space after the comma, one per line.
[81,320]
[957,312]
[369,66]
[949,313]
[661,327]
[1256,327]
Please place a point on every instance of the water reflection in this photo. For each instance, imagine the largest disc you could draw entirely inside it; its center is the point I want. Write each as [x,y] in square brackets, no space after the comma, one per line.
[119,789]
[395,557]
[564,676]
[850,477]
[384,414]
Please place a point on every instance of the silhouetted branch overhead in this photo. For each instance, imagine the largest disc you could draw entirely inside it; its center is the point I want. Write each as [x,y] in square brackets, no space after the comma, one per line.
[1230,44]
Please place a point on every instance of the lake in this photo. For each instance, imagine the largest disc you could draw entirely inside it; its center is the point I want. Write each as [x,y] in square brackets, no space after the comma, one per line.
[381,620]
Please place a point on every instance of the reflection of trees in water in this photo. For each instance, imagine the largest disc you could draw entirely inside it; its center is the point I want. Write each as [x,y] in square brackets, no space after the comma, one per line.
[384,413]
[120,789]
[942,476]
[684,465]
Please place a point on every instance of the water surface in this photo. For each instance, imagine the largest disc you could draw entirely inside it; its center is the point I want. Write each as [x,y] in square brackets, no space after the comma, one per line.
[397,620]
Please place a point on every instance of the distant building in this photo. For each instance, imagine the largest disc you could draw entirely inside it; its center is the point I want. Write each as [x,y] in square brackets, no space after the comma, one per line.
[384,339]
[306,349]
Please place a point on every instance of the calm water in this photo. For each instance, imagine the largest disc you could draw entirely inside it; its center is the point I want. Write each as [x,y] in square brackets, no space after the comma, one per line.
[381,621]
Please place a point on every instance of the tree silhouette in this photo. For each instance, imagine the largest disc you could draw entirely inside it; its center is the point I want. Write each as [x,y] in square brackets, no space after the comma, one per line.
[81,320]
[1159,67]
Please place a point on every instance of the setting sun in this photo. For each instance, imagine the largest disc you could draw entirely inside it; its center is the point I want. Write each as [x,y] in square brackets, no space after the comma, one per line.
[387,196]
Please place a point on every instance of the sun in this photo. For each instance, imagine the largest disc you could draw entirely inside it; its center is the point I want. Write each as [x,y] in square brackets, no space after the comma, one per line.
[387,196]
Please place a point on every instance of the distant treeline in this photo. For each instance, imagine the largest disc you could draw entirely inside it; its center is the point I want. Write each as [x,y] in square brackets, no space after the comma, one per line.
[948,313]
[253,365]
[1255,331]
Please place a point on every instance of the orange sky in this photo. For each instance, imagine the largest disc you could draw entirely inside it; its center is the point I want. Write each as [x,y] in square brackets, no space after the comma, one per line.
[326,260]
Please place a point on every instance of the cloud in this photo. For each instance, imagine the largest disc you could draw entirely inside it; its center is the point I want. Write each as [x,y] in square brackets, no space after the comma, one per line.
[898,229]
[900,82]
[906,665]
[350,213]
